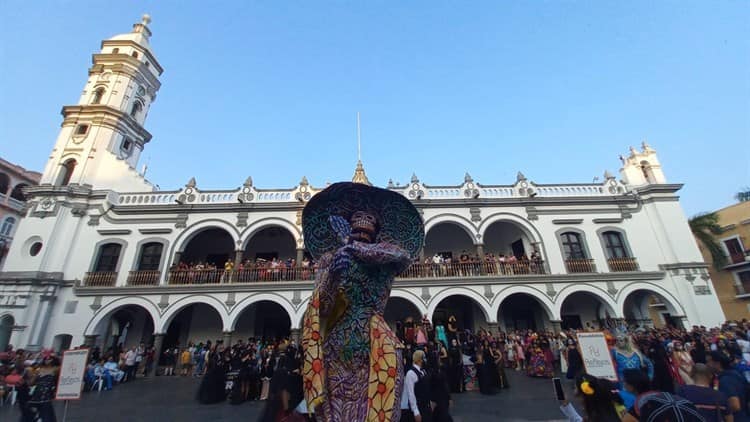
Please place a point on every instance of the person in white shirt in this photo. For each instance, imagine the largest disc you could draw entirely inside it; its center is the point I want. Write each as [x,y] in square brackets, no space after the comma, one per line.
[130,365]
[415,399]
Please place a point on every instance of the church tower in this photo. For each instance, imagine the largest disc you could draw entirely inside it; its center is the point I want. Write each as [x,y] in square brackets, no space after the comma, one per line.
[102,137]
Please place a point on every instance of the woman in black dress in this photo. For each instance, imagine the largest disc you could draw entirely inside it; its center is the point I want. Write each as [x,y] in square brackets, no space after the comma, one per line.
[212,387]
[455,367]
[485,375]
[575,361]
[45,382]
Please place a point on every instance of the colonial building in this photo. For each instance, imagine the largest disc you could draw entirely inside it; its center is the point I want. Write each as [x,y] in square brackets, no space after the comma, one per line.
[103,257]
[732,282]
[13,179]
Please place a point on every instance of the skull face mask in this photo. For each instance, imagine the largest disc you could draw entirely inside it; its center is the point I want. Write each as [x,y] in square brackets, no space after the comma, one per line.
[364,226]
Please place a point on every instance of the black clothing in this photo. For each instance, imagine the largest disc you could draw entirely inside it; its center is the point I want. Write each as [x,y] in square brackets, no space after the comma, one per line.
[212,387]
[441,396]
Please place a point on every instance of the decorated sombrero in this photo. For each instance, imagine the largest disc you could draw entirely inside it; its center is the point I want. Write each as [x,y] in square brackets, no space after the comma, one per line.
[399,222]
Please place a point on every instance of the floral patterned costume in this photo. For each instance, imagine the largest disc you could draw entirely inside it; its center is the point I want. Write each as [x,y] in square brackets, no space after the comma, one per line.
[353,366]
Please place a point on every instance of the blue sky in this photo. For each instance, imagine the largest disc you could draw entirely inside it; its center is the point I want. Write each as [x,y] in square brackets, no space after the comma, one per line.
[556,89]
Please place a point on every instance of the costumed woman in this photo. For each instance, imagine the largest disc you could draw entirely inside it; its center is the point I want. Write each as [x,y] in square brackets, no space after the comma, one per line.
[538,365]
[627,356]
[361,237]
[682,363]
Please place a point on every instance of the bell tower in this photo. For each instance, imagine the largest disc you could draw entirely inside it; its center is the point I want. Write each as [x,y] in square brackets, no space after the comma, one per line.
[103,136]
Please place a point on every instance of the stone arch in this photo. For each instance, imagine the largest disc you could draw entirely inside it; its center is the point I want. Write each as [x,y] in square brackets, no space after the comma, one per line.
[455,219]
[109,309]
[213,223]
[269,222]
[523,224]
[245,303]
[478,299]
[673,305]
[591,289]
[17,192]
[541,297]
[183,303]
[411,298]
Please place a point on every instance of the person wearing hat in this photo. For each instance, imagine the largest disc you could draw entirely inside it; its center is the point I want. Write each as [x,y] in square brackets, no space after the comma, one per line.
[362,237]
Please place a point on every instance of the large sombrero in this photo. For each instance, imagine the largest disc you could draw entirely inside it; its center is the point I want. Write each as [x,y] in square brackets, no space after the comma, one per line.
[400,223]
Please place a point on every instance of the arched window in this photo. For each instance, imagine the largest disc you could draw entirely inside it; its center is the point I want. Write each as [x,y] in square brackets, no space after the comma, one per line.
[135,54]
[18,192]
[572,246]
[97,97]
[614,245]
[109,255]
[66,172]
[137,107]
[115,51]
[7,227]
[4,183]
[150,256]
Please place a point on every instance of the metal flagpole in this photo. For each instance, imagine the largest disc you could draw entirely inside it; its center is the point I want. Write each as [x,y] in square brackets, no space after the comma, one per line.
[359,141]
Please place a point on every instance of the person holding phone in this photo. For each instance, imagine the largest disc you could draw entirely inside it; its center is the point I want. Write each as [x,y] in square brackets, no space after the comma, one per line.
[599,398]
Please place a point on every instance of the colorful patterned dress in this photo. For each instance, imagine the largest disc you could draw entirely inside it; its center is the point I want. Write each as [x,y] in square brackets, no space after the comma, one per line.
[358,348]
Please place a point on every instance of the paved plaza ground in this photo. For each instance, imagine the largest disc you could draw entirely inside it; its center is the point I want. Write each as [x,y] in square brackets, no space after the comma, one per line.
[173,399]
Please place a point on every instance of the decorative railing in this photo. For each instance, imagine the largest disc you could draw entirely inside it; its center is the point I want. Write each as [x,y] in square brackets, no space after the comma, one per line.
[12,202]
[198,276]
[737,258]
[253,275]
[249,194]
[473,269]
[580,266]
[617,265]
[100,279]
[143,278]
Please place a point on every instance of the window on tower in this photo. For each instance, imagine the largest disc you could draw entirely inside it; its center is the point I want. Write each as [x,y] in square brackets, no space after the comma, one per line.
[98,95]
[126,146]
[135,54]
[82,129]
[137,107]
[66,172]
[115,51]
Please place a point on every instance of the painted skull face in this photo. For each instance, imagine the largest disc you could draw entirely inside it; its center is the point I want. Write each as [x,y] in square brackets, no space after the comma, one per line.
[364,226]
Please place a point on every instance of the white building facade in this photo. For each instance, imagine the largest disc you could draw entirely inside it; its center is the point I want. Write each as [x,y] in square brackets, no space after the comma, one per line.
[96,258]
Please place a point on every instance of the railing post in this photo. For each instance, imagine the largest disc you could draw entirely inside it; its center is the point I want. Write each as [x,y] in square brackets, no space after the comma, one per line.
[238,254]
[300,256]
[480,254]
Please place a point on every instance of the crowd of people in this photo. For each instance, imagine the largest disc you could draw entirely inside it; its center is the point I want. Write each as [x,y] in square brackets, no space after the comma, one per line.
[275,269]
[699,373]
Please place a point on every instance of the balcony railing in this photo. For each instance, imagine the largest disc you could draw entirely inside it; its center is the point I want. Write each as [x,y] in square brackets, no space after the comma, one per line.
[473,269]
[737,258]
[100,279]
[198,276]
[617,265]
[143,278]
[580,265]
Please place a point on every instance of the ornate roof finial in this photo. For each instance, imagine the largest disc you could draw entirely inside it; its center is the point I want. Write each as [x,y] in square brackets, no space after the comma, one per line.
[520,177]
[359,174]
[467,178]
[146,19]
[190,183]
[390,184]
[249,181]
[142,26]
[633,151]
[645,146]
[608,175]
[304,181]
[414,178]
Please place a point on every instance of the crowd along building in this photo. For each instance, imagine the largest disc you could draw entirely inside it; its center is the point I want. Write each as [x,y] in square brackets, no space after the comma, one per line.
[103,257]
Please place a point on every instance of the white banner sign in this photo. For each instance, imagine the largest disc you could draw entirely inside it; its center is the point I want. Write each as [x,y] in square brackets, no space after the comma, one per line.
[596,355]
[72,373]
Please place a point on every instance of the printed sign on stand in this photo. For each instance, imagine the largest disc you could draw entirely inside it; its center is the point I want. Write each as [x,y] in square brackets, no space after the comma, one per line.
[597,358]
[72,373]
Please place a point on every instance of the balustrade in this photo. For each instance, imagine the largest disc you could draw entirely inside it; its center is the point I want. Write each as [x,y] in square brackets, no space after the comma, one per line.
[580,265]
[100,279]
[617,265]
[143,278]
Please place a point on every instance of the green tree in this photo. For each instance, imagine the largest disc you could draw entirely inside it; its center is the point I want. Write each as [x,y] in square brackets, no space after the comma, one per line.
[704,227]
